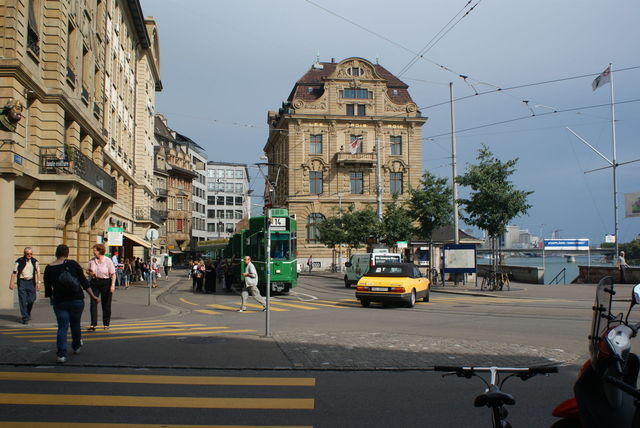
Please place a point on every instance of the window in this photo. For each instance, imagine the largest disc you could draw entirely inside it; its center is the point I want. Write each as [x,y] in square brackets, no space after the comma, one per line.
[230,227]
[229,200]
[179,225]
[360,109]
[229,214]
[33,35]
[220,173]
[211,173]
[315,144]
[211,227]
[179,200]
[211,187]
[356,183]
[315,182]
[71,53]
[211,200]
[220,213]
[220,227]
[357,93]
[239,173]
[395,183]
[313,233]
[396,145]
[229,187]
[219,200]
[355,71]
[229,173]
[238,214]
[239,187]
[239,200]
[356,139]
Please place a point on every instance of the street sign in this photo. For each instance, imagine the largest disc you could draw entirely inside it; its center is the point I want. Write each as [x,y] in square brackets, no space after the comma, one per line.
[402,244]
[610,239]
[152,234]
[114,236]
[566,244]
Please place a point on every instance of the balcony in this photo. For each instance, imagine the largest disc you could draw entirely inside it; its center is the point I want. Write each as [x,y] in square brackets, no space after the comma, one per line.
[343,158]
[148,214]
[69,160]
[159,216]
[162,192]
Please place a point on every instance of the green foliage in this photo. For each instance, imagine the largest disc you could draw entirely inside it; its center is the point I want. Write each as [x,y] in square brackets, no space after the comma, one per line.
[430,205]
[493,201]
[352,227]
[396,223]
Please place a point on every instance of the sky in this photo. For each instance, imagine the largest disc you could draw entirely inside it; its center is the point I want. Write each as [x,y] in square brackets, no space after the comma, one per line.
[225,64]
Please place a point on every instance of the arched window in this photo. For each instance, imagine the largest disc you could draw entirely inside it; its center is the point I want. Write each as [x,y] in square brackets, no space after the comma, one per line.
[313,233]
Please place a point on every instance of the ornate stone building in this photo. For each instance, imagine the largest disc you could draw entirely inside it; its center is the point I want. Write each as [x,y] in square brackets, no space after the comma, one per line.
[78,160]
[325,136]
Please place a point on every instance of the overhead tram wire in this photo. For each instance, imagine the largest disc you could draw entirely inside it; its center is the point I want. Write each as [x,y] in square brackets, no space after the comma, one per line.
[516,119]
[427,47]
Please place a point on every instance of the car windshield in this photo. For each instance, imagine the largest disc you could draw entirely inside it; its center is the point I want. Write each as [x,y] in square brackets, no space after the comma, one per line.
[390,270]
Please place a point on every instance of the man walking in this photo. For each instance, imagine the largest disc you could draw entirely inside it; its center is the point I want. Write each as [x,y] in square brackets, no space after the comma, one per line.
[250,285]
[27,272]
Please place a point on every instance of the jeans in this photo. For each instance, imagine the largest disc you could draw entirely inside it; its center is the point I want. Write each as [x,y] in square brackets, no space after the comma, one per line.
[68,314]
[119,278]
[102,289]
[26,297]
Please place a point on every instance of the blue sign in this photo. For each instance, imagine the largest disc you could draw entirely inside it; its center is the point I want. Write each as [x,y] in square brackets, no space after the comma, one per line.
[17,159]
[566,244]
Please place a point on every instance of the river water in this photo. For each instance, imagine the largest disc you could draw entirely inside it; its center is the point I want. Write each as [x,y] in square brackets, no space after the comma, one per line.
[553,264]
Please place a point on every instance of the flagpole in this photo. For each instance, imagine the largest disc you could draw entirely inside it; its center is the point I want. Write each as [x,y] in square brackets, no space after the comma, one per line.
[614,163]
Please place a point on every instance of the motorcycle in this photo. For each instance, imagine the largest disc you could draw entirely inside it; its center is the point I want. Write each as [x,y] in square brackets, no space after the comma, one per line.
[599,400]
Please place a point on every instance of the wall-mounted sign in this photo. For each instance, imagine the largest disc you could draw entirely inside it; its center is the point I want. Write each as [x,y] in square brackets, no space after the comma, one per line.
[114,236]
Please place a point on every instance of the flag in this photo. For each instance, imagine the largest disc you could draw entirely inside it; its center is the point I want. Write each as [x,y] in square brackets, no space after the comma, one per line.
[602,79]
[356,142]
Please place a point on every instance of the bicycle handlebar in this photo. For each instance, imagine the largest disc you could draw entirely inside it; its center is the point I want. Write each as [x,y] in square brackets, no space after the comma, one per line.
[529,370]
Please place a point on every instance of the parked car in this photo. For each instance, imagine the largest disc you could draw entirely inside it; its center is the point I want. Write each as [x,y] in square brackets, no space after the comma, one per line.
[393,282]
[359,264]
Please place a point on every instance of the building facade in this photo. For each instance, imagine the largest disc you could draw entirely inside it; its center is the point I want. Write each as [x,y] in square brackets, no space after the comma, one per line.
[228,198]
[322,145]
[199,188]
[175,170]
[70,75]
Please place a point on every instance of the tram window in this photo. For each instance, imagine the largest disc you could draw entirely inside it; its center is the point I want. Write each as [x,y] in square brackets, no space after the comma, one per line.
[280,246]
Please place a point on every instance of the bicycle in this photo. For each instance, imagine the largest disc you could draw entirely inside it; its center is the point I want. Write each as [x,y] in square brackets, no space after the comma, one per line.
[493,397]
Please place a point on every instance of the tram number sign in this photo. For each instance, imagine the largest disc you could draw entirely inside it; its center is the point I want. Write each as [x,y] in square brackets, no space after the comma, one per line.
[278,223]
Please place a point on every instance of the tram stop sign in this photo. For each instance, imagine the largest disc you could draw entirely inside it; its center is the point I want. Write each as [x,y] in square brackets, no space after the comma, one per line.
[152,234]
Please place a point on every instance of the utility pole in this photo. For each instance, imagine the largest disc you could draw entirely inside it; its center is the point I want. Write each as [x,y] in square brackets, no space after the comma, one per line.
[456,233]
[379,179]
[267,325]
[614,165]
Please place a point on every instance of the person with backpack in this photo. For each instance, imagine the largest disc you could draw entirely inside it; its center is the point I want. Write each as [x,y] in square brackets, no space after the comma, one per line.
[103,284]
[63,284]
[27,272]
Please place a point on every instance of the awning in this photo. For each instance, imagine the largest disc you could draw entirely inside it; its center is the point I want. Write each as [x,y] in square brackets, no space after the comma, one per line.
[137,240]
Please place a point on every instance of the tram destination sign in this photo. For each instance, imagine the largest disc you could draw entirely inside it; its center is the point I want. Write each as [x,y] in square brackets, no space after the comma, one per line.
[278,223]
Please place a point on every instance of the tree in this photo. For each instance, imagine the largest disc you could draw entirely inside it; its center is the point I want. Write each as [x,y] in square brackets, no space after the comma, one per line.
[396,223]
[331,230]
[430,205]
[493,201]
[360,225]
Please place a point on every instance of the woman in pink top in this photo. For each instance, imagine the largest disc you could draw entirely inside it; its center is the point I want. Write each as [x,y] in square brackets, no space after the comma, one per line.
[103,284]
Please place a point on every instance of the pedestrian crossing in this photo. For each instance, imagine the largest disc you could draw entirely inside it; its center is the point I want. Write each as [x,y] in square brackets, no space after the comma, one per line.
[154,400]
[132,330]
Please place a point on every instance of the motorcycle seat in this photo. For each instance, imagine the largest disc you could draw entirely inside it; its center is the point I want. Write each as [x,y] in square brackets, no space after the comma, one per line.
[494,397]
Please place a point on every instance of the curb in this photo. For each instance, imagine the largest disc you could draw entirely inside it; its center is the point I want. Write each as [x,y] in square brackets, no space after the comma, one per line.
[474,293]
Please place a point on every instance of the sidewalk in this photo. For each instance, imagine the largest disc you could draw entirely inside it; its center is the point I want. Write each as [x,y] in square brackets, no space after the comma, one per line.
[127,304]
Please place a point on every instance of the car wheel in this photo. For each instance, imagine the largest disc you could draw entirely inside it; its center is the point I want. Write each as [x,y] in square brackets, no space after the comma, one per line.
[365,303]
[426,296]
[412,300]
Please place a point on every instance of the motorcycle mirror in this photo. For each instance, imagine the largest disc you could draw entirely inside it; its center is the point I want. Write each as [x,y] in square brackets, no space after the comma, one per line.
[635,297]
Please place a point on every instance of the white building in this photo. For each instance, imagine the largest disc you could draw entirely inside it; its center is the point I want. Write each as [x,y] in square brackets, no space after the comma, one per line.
[199,189]
[228,198]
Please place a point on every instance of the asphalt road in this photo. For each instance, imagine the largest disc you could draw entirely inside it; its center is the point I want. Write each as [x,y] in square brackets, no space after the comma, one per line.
[329,361]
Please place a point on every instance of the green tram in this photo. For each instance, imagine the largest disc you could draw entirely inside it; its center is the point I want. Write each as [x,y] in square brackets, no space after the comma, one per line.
[252,242]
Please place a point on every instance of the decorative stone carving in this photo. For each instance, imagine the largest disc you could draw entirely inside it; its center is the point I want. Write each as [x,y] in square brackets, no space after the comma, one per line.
[391,107]
[411,107]
[298,103]
[317,106]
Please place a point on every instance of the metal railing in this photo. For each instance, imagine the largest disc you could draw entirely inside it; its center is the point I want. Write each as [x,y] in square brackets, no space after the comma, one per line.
[556,279]
[158,216]
[345,157]
[70,160]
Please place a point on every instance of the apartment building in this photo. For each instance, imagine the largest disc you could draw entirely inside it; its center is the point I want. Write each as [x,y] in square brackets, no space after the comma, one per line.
[74,159]
[322,144]
[228,197]
[199,188]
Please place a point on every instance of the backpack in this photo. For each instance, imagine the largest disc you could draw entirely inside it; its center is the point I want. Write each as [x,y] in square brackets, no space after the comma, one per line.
[67,284]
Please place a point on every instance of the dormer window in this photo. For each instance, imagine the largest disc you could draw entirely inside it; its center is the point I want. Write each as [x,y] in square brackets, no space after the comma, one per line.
[394,92]
[309,90]
[355,71]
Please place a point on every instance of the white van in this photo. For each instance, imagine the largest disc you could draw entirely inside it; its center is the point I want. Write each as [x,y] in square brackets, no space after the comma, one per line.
[359,264]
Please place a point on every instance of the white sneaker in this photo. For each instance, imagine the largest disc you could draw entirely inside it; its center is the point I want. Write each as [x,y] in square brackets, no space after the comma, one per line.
[77,351]
[241,310]
[61,360]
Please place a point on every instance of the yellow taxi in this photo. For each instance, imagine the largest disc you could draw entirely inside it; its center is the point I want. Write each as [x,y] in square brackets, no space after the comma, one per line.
[393,282]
